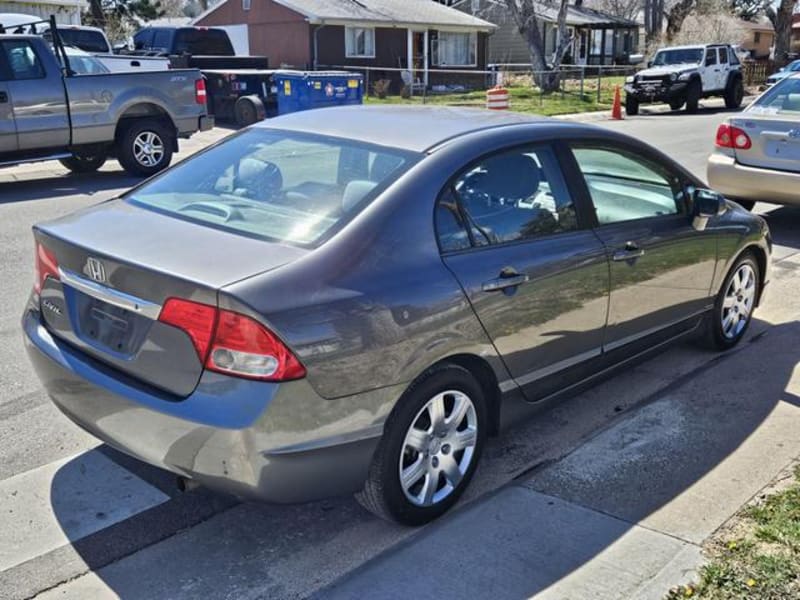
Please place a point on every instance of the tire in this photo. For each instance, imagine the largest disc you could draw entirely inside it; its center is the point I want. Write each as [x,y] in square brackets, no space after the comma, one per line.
[145,147]
[631,106]
[248,110]
[78,163]
[693,97]
[734,94]
[676,104]
[741,290]
[416,502]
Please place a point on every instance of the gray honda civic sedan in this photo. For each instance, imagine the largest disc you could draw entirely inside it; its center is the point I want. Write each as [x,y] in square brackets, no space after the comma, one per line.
[350,300]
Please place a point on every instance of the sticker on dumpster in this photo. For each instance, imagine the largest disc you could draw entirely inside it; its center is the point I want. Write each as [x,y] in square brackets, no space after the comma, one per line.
[317,85]
[352,83]
[287,88]
[329,89]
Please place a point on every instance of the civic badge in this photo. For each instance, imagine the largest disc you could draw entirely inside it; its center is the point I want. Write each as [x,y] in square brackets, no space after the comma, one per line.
[95,270]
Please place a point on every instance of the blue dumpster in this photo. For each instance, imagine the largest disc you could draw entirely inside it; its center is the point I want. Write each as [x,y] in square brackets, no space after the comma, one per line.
[302,90]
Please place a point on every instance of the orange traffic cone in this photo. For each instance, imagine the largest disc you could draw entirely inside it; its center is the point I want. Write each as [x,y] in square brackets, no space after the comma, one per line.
[616,108]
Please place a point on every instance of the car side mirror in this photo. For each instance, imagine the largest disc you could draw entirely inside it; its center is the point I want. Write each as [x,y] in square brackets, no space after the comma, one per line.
[706,205]
[649,63]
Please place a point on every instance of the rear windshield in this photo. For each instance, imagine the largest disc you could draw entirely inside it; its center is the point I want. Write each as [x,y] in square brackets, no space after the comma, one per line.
[86,40]
[275,185]
[203,42]
[781,98]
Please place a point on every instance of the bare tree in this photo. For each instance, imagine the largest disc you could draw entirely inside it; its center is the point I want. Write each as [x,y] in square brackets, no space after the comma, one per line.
[653,22]
[782,21]
[624,9]
[711,23]
[529,18]
[676,16]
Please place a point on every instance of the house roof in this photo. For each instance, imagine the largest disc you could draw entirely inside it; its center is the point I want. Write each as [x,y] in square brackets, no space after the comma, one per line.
[379,12]
[762,24]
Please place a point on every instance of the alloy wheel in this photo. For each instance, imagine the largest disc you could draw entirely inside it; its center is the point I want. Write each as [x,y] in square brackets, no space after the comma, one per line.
[737,305]
[438,448]
[148,148]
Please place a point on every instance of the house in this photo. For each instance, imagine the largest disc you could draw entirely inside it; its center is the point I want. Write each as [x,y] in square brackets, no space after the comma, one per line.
[796,33]
[598,38]
[758,37]
[383,37]
[65,11]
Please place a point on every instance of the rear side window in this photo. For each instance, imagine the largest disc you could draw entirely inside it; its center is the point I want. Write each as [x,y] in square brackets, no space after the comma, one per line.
[276,185]
[203,42]
[85,39]
[161,39]
[22,60]
[626,187]
[507,197]
[723,56]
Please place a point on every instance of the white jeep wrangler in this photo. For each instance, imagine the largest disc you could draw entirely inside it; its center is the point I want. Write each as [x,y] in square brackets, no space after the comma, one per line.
[685,74]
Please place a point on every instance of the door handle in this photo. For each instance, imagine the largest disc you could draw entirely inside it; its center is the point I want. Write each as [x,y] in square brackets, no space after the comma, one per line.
[3,97]
[503,282]
[631,251]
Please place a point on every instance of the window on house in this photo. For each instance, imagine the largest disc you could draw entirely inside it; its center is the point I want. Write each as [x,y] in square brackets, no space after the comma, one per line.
[245,4]
[455,49]
[757,37]
[359,42]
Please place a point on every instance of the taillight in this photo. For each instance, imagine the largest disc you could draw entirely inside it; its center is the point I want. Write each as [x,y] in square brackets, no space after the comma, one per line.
[231,343]
[46,266]
[197,320]
[200,91]
[729,136]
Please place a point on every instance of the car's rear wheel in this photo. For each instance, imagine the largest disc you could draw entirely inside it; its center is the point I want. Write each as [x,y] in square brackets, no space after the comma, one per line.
[734,94]
[631,106]
[693,96]
[733,308]
[145,147]
[80,163]
[676,104]
[430,448]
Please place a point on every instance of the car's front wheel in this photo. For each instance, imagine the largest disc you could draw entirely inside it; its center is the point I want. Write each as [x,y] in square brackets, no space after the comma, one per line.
[693,94]
[631,106]
[733,308]
[430,448]
[80,163]
[734,94]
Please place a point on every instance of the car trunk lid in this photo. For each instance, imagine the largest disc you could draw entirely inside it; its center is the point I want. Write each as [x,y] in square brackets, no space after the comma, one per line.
[118,265]
[775,143]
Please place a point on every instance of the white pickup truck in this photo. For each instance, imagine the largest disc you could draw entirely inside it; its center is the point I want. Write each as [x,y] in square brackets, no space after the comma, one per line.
[684,74]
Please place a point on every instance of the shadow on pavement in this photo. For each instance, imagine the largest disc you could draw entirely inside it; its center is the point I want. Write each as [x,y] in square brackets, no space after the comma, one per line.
[783,222]
[49,187]
[519,547]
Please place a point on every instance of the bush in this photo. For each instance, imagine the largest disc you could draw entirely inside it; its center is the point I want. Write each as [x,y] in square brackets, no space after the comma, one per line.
[381,88]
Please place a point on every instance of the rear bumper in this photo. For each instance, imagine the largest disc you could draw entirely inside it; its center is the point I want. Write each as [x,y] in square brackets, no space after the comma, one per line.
[741,182]
[188,126]
[273,442]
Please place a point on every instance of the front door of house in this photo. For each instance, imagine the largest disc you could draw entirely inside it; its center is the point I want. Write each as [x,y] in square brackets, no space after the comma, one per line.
[418,56]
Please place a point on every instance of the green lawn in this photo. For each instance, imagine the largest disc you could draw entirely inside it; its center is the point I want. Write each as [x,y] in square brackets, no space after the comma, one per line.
[527,99]
[757,556]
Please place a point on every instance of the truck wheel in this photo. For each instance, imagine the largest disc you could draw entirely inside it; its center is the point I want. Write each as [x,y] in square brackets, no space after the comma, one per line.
[734,94]
[79,163]
[145,147]
[248,110]
[676,104]
[631,106]
[693,96]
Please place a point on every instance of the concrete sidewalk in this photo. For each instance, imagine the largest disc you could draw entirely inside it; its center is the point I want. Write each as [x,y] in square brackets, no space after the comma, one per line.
[625,514]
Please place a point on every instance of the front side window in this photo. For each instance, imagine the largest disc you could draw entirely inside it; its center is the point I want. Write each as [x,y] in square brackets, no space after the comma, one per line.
[711,57]
[161,39]
[507,197]
[22,60]
[455,49]
[275,185]
[359,42]
[625,187]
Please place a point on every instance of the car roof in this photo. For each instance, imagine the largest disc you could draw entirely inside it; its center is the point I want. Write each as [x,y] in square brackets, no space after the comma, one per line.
[413,128]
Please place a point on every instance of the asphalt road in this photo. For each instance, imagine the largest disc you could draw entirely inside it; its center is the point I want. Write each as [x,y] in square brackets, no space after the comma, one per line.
[79,520]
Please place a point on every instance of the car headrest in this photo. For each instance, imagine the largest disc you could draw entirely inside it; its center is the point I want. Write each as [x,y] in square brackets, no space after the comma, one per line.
[355,191]
[259,176]
[515,176]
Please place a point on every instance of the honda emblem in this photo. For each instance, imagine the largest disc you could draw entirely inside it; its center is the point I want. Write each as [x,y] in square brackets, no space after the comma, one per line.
[95,270]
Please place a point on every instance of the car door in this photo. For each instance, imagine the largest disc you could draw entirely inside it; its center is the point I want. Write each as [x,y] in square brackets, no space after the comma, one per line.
[710,71]
[40,109]
[8,129]
[535,274]
[661,267]
[723,68]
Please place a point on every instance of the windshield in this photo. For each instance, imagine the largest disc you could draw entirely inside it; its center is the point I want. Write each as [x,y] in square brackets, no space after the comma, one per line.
[678,57]
[203,42]
[782,98]
[275,185]
[794,66]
